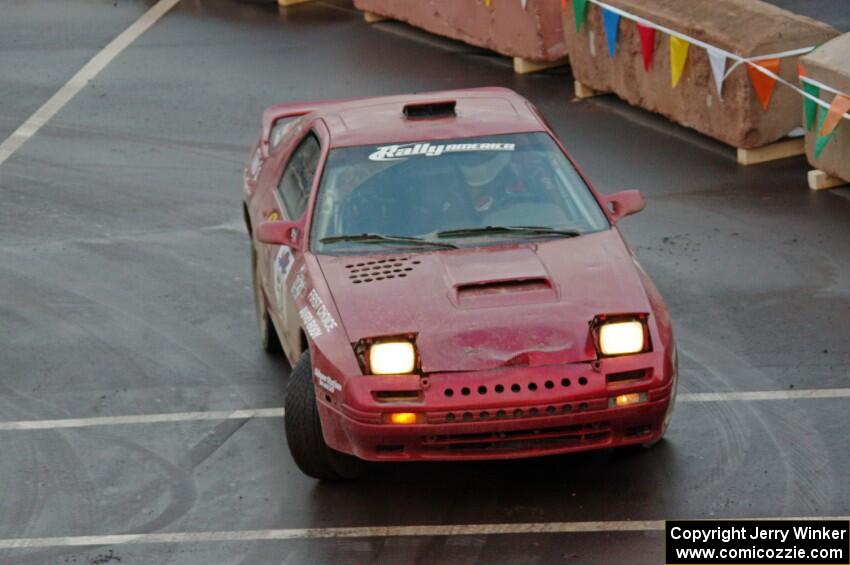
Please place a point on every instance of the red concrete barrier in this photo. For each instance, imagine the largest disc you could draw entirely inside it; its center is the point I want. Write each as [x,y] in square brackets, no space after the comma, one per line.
[827,76]
[531,34]
[746,28]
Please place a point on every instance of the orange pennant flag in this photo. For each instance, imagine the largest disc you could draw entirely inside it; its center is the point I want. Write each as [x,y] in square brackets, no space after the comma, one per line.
[762,83]
[840,106]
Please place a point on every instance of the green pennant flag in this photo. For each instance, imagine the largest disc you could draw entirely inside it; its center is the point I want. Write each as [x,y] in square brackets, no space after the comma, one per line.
[580,11]
[809,106]
[821,140]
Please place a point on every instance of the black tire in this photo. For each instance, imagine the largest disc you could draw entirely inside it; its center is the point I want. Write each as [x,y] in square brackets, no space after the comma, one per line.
[304,430]
[268,334]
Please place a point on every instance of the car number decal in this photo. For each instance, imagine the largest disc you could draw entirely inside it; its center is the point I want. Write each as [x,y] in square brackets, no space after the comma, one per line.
[282,266]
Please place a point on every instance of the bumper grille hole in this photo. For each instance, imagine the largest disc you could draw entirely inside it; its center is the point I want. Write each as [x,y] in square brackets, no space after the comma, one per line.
[638,431]
[482,389]
[464,391]
[501,414]
[467,416]
[565,382]
[389,448]
[515,387]
[450,417]
[533,412]
[550,409]
[567,408]
[518,413]
[532,386]
[449,392]
[484,415]
[582,381]
[626,376]
[582,407]
[549,384]
[499,389]
[397,395]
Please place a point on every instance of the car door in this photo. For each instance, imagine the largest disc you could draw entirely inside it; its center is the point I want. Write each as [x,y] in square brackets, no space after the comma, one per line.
[290,197]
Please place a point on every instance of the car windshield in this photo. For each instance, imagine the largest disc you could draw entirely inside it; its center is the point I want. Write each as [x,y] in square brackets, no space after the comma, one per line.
[474,191]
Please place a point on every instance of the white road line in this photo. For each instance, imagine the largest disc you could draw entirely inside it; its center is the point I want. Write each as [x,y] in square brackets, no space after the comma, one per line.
[142,419]
[83,76]
[248,413]
[802,394]
[363,532]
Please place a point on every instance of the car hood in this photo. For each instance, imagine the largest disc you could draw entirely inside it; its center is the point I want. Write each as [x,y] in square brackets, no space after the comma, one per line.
[486,307]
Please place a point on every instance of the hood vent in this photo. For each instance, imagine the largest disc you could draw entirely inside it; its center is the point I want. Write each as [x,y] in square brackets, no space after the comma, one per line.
[502,287]
[381,269]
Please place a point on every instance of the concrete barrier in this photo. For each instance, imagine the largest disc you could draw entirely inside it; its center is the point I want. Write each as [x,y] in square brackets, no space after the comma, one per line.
[828,68]
[746,28]
[532,36]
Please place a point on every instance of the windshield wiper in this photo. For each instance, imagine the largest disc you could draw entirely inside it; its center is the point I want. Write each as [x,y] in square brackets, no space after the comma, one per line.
[382,238]
[529,230]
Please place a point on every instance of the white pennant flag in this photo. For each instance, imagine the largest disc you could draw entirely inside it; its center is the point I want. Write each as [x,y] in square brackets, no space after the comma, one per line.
[717,59]
[523,2]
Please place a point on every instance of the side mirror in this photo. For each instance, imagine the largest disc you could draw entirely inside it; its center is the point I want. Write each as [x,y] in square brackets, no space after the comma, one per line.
[624,203]
[279,232]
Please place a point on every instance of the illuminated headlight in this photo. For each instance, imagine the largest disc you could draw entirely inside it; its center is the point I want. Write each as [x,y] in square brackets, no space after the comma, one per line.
[620,338]
[392,358]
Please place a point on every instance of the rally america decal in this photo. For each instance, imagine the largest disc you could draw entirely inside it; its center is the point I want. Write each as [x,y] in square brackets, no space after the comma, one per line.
[326,382]
[397,152]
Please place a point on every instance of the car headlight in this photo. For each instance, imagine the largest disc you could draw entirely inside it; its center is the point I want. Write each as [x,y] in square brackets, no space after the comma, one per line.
[621,338]
[392,358]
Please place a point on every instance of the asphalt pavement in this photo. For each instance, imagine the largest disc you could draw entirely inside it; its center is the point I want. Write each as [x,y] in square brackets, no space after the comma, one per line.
[125,290]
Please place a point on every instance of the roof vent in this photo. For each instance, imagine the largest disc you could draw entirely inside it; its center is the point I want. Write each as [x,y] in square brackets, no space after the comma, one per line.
[428,110]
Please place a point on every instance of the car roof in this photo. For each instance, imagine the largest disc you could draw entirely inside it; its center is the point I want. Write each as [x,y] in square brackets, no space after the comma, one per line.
[382,120]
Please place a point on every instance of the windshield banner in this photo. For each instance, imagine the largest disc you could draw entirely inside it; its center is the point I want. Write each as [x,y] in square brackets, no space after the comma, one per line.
[397,152]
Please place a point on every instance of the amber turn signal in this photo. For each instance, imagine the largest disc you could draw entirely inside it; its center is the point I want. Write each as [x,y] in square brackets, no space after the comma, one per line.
[402,418]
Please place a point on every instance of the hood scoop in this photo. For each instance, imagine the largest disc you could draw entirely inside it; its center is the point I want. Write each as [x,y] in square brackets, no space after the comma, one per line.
[505,292]
[498,277]
[502,287]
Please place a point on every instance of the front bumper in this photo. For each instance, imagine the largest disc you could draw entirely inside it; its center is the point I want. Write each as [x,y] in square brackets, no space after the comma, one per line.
[500,414]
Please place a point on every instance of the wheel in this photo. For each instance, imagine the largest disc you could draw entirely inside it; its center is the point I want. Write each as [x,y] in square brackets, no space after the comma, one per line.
[304,430]
[268,333]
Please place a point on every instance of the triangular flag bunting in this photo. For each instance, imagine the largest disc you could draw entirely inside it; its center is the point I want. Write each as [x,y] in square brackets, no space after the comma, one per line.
[821,140]
[678,58]
[840,106]
[647,44]
[524,3]
[762,83]
[810,107]
[611,22]
[564,5]
[717,59]
[580,12]
[487,2]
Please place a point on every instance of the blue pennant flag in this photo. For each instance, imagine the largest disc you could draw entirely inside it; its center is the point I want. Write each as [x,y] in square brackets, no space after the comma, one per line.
[612,26]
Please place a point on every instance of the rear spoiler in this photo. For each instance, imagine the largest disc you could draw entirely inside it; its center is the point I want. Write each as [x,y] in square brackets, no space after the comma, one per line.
[291,110]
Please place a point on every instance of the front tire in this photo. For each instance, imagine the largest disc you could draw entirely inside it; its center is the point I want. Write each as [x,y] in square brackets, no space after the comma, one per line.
[304,430]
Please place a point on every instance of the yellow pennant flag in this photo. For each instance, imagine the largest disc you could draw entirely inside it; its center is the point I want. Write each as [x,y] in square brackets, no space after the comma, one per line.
[487,2]
[678,57]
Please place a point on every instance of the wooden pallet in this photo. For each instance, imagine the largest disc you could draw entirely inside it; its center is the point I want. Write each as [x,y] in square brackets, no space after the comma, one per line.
[525,66]
[821,180]
[583,91]
[779,150]
[373,18]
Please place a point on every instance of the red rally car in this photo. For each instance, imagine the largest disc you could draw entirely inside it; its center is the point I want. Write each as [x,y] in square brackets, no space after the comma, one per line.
[447,285]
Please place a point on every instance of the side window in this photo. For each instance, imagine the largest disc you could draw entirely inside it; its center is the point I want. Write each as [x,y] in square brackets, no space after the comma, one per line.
[297,178]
